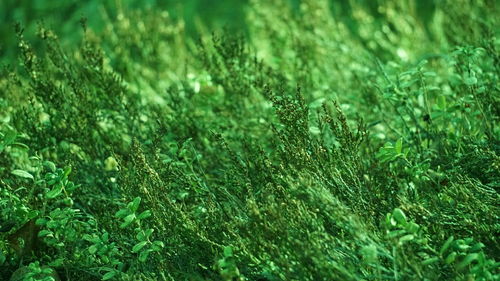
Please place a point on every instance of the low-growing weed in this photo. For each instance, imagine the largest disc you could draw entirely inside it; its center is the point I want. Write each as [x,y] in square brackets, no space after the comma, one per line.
[328,140]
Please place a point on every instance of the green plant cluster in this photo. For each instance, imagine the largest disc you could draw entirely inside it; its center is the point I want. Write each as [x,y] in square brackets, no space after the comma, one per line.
[327,140]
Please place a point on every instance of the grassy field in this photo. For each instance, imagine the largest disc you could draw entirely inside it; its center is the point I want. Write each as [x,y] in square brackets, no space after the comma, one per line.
[250,140]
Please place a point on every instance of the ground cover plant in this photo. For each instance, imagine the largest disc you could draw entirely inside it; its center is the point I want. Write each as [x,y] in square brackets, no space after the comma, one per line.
[286,140]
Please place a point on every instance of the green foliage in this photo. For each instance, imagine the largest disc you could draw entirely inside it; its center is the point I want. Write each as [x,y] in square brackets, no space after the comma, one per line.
[321,140]
[227,267]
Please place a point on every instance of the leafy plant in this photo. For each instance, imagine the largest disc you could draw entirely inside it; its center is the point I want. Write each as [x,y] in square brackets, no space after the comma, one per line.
[321,140]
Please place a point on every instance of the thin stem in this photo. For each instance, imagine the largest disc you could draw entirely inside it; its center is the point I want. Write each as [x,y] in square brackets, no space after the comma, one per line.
[395,266]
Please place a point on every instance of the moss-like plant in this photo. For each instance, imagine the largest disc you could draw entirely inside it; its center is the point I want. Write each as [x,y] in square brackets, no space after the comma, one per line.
[326,140]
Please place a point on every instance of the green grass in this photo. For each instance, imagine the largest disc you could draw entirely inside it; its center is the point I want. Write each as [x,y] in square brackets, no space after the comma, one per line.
[305,140]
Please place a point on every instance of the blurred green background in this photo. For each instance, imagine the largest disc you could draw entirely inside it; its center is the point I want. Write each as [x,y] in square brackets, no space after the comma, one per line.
[64,16]
[199,16]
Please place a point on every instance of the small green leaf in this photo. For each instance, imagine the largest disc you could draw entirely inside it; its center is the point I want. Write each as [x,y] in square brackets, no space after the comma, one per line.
[389,222]
[139,246]
[389,152]
[58,262]
[157,245]
[228,251]
[56,190]
[478,246]
[469,81]
[122,213]
[143,256]
[406,238]
[44,233]
[110,164]
[408,73]
[396,233]
[412,227]
[67,171]
[41,221]
[134,205]
[148,232]
[222,263]
[385,155]
[9,138]
[22,174]
[399,146]
[109,275]
[462,247]
[468,240]
[140,236]
[446,245]
[409,83]
[441,102]
[46,271]
[90,238]
[50,165]
[127,220]
[422,63]
[451,258]
[144,215]
[3,258]
[71,186]
[430,261]
[399,216]
[21,145]
[105,237]
[314,130]
[92,249]
[467,260]
[33,214]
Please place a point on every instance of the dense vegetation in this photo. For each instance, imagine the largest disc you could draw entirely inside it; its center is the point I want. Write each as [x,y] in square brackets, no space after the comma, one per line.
[306,140]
